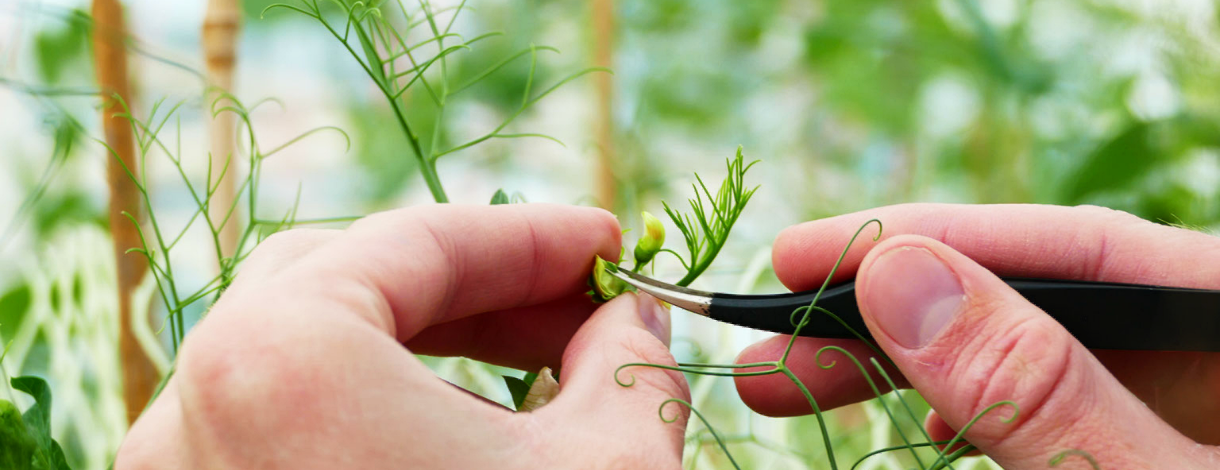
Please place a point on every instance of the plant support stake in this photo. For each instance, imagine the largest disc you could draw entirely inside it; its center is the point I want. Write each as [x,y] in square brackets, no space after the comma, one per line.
[110,62]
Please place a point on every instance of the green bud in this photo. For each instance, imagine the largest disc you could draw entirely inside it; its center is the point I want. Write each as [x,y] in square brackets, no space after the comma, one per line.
[605,286]
[650,244]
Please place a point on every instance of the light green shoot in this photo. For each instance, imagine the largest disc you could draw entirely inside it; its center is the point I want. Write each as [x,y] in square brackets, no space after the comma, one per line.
[706,229]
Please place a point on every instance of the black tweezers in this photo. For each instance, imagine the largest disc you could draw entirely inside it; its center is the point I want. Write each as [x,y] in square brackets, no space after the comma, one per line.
[1101,315]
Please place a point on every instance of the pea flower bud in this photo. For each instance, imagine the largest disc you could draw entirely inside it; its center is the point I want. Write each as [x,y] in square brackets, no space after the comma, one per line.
[605,286]
[650,244]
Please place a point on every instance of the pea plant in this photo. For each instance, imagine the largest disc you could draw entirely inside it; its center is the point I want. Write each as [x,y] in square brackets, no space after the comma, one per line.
[377,35]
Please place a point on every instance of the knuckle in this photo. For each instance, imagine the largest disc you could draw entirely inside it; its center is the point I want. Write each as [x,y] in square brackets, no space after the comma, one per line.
[1032,363]
[237,380]
[292,240]
[1106,214]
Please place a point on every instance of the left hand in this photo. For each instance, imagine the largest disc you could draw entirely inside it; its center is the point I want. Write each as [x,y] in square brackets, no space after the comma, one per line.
[307,360]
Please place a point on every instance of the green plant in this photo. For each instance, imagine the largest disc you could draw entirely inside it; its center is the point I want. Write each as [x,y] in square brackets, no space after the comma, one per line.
[158,246]
[375,33]
[705,230]
[26,437]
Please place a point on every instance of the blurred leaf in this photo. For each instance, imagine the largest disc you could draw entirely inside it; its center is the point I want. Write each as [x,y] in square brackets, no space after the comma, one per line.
[1174,205]
[1115,164]
[55,210]
[59,47]
[13,305]
[381,151]
[47,455]
[16,445]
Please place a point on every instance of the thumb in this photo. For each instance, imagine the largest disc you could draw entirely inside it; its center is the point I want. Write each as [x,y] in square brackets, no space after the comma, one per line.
[967,341]
[619,408]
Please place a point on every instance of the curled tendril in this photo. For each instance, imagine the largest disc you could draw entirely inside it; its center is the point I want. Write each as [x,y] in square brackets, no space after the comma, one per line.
[624,366]
[1060,457]
[817,358]
[710,429]
[944,459]
[803,313]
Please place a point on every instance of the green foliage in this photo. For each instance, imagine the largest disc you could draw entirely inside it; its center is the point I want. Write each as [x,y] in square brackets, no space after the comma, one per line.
[158,245]
[56,48]
[376,34]
[707,227]
[13,306]
[25,439]
[519,388]
[705,231]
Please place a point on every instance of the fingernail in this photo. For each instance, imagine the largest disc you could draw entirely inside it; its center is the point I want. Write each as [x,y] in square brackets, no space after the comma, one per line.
[912,295]
[655,316]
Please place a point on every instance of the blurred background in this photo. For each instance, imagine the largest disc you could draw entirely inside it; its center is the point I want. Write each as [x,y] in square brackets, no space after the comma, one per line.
[849,105]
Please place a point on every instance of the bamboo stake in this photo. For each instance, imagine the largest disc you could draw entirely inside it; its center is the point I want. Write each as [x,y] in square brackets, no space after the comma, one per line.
[220,27]
[603,56]
[140,376]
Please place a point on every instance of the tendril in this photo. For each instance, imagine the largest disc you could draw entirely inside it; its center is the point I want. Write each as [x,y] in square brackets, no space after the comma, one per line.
[945,459]
[1060,457]
[719,441]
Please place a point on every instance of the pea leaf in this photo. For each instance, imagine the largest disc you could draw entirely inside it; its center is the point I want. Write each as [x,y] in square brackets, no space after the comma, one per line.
[27,442]
[16,445]
[518,389]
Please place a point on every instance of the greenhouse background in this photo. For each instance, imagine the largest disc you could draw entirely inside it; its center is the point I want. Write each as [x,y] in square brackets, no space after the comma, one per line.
[848,104]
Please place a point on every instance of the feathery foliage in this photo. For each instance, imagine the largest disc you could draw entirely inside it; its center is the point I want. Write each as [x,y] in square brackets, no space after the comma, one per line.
[377,35]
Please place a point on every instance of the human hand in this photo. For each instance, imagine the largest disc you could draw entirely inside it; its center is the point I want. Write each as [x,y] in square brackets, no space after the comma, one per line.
[966,340]
[302,364]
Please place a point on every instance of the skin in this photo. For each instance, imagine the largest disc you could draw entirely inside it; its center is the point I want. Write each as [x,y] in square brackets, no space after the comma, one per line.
[307,361]
[1127,409]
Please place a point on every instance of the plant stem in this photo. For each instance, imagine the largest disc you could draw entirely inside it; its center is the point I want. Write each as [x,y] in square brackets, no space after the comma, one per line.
[220,26]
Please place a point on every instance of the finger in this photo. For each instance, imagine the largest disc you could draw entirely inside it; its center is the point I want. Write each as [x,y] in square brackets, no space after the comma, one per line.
[526,338]
[967,341]
[1085,242]
[625,419]
[156,439]
[278,252]
[414,268]
[939,431]
[776,395]
[300,374]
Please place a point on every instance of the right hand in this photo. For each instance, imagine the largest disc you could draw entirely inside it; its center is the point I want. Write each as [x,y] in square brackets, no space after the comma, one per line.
[987,344]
